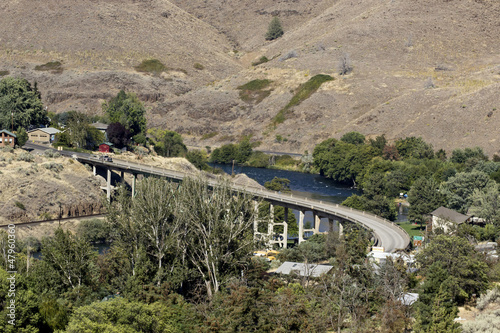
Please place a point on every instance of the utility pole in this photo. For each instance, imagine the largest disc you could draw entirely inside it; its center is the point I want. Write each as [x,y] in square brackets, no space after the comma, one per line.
[12,118]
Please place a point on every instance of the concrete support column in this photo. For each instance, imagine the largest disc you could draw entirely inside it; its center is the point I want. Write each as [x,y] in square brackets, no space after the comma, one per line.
[108,185]
[301,226]
[317,222]
[256,220]
[330,225]
[122,177]
[285,228]
[134,177]
[94,169]
[270,225]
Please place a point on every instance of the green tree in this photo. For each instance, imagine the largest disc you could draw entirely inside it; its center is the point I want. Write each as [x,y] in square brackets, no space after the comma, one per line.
[198,159]
[460,261]
[120,315]
[414,147]
[424,197]
[244,151]
[355,201]
[168,143]
[22,136]
[21,102]
[462,155]
[218,225]
[70,257]
[278,185]
[225,154]
[127,110]
[354,138]
[459,189]
[275,30]
[486,204]
[379,143]
[341,161]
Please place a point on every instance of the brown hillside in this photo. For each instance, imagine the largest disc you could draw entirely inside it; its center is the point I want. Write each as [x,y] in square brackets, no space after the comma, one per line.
[425,67]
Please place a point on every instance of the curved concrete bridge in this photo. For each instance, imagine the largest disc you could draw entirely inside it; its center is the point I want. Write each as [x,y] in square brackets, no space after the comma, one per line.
[386,234]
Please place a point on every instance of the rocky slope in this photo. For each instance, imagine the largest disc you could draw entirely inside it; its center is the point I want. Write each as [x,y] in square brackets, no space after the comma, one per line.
[426,68]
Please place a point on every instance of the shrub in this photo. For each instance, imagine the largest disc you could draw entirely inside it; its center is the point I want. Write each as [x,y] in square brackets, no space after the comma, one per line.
[52,166]
[198,66]
[154,66]
[275,30]
[209,136]
[261,60]
[290,54]
[25,157]
[253,91]
[94,231]
[52,66]
[304,92]
[3,73]
[492,296]
[51,154]
[20,205]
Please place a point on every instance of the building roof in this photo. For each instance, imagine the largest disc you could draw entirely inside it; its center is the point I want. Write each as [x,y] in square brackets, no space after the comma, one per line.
[100,126]
[48,130]
[107,143]
[9,133]
[450,215]
[311,270]
[407,258]
[408,298]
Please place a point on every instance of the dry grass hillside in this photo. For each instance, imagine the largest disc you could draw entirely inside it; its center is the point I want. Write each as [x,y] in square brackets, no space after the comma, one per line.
[40,187]
[425,67]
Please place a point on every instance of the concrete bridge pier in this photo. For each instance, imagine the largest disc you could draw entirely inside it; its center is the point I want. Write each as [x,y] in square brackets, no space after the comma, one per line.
[134,177]
[301,226]
[108,184]
[94,170]
[282,237]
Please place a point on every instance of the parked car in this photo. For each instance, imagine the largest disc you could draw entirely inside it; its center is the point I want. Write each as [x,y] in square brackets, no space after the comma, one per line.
[106,158]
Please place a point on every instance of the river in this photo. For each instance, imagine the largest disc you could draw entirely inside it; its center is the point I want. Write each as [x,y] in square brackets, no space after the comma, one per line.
[305,184]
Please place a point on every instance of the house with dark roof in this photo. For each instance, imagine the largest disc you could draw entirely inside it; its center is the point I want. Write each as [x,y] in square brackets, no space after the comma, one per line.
[7,139]
[445,218]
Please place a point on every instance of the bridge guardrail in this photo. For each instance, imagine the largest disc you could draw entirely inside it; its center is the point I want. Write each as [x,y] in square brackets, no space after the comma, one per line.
[313,204]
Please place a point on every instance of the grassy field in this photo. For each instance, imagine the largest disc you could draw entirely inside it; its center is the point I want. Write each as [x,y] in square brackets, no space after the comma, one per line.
[412,229]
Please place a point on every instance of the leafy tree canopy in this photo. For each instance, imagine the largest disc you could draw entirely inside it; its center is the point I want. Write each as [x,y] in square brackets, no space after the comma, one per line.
[355,138]
[118,134]
[20,101]
[127,110]
[275,30]
[168,143]
[461,262]
[120,315]
[414,147]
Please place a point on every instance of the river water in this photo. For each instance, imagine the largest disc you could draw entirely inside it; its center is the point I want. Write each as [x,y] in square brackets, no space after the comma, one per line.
[305,184]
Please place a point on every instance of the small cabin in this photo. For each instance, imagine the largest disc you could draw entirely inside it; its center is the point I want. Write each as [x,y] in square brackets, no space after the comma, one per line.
[7,139]
[105,147]
[43,135]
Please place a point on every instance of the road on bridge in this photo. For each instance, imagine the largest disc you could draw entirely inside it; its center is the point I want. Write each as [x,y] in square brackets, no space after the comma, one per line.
[388,234]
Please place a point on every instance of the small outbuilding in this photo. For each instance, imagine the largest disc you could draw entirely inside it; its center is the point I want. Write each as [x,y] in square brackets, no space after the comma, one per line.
[43,135]
[445,218]
[7,139]
[307,270]
[105,147]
